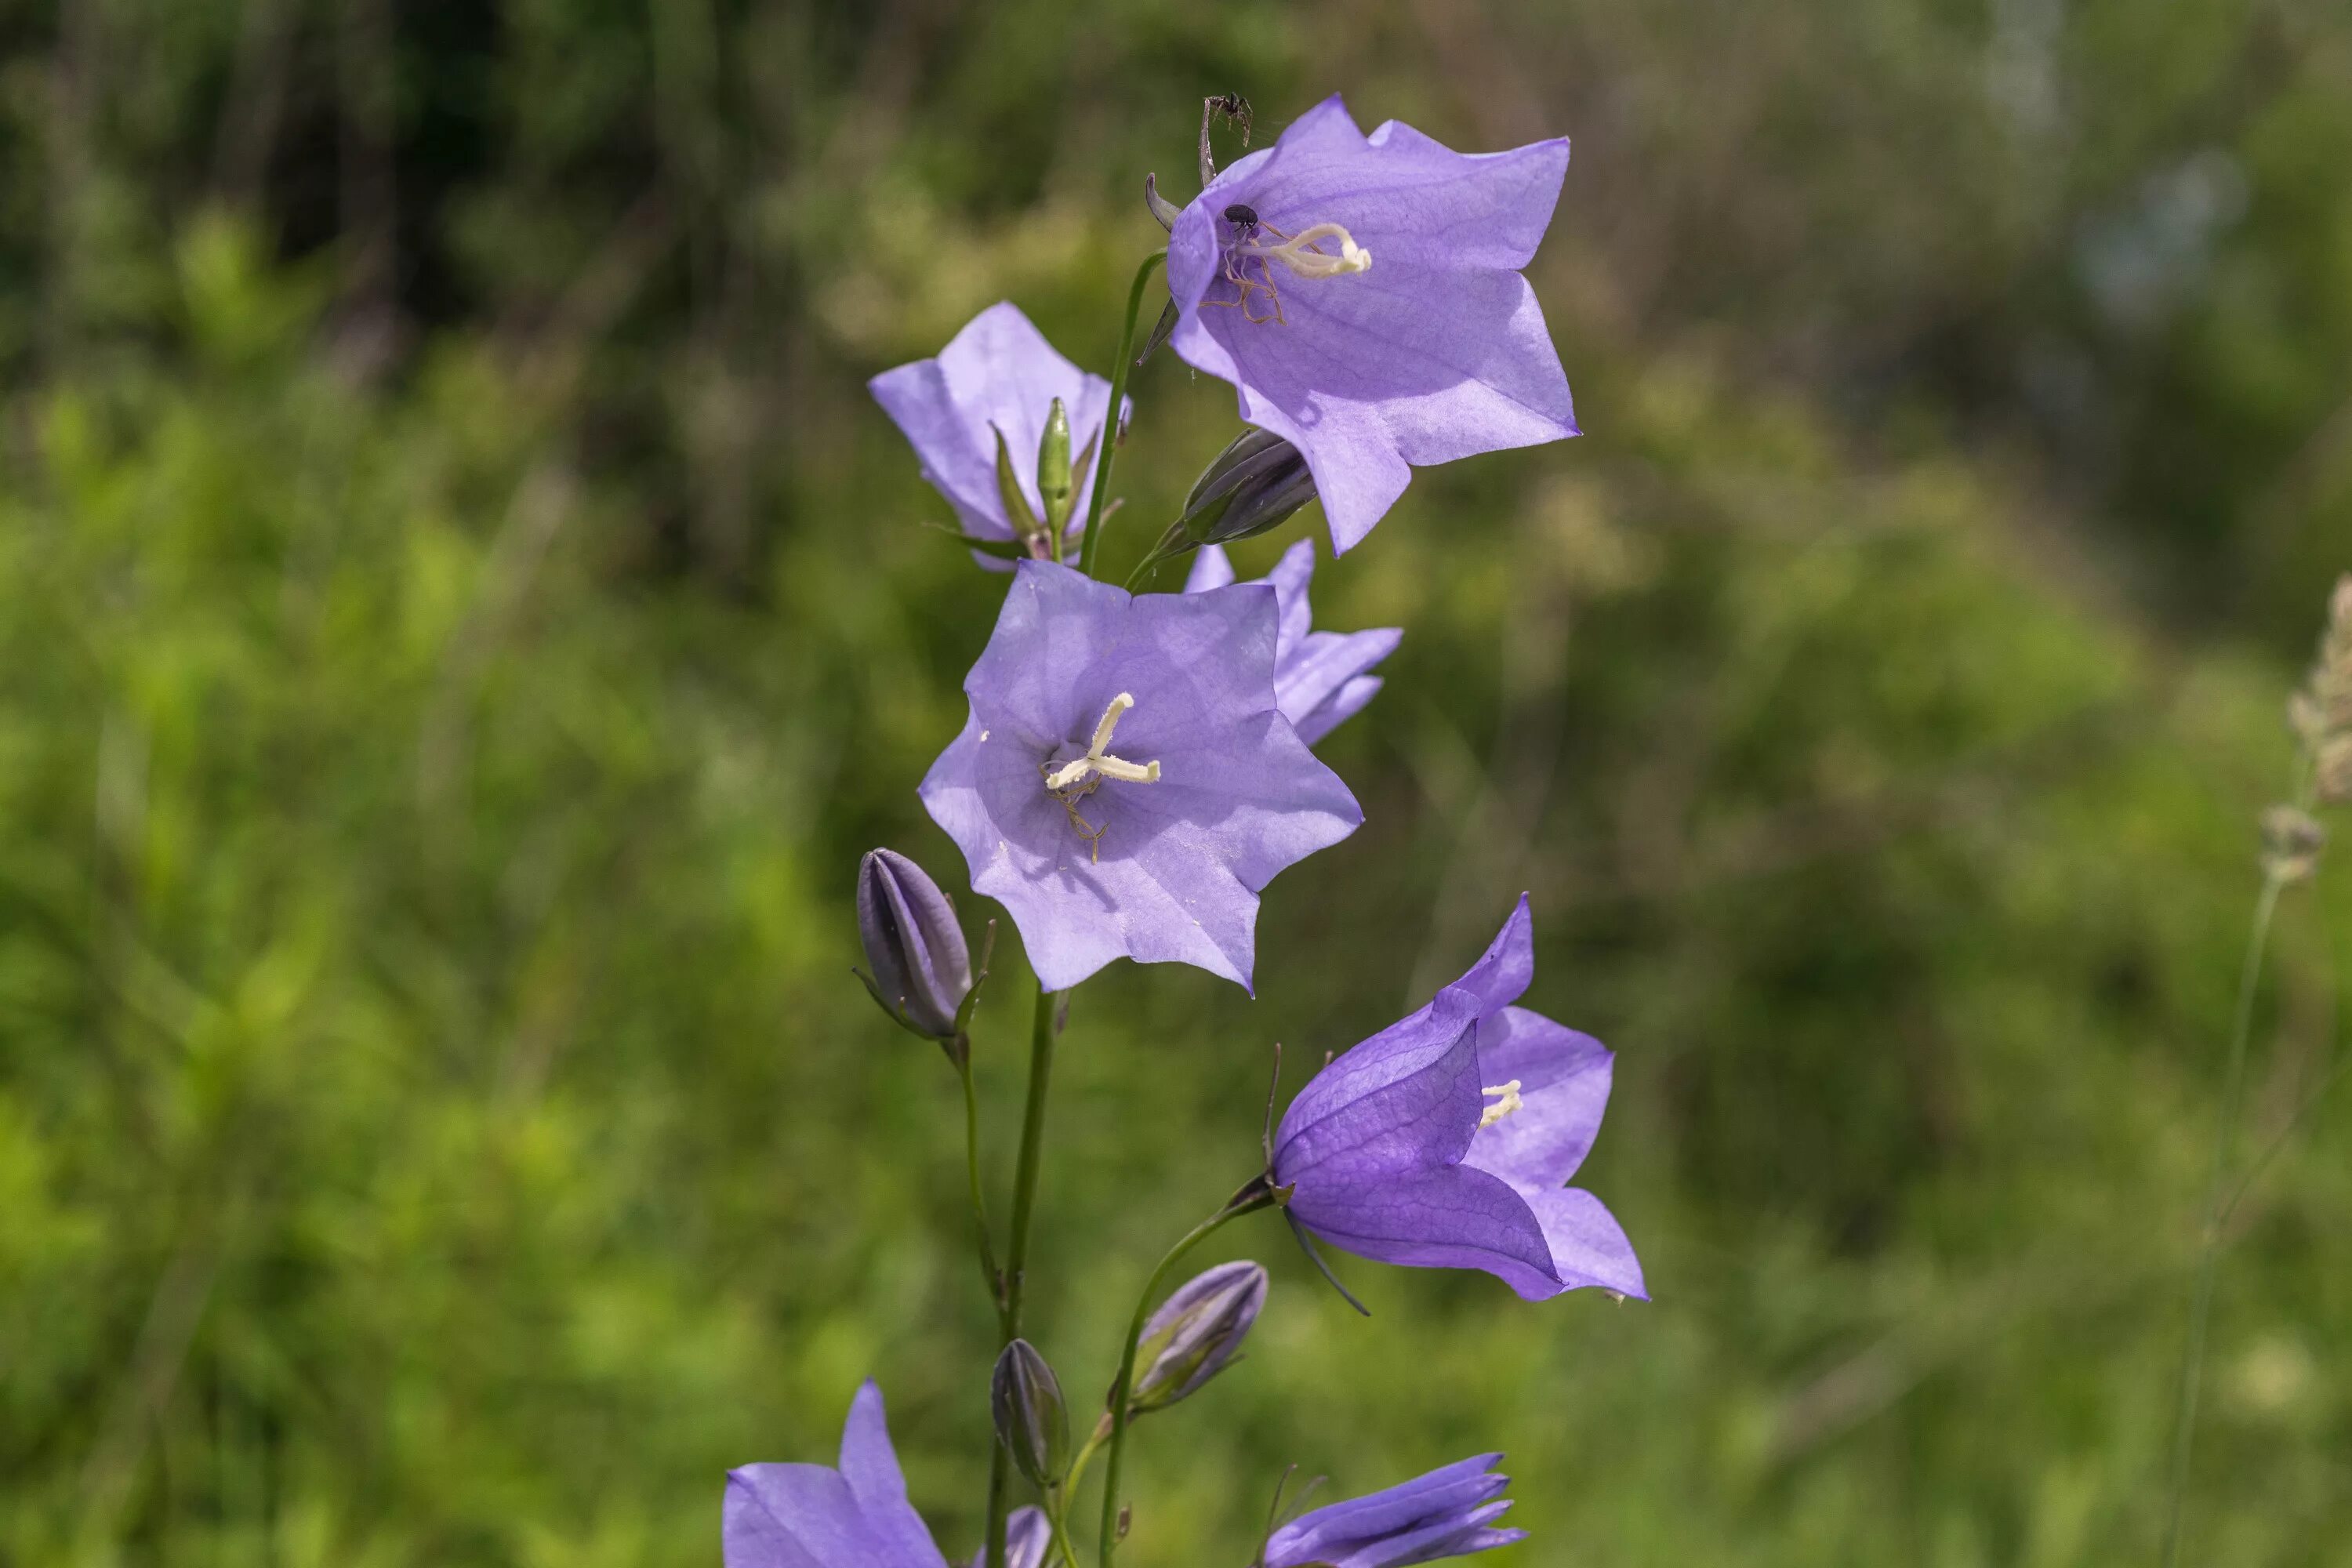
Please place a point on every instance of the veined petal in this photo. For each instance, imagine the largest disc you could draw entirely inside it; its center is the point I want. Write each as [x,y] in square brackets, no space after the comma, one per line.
[1449,1217]
[1508,967]
[870,1465]
[1563,1078]
[1588,1245]
[1418,1076]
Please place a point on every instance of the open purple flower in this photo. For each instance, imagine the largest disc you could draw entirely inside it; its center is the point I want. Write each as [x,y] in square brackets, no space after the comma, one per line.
[1442,1140]
[998,376]
[809,1516]
[1364,296]
[1319,678]
[1445,1513]
[1125,783]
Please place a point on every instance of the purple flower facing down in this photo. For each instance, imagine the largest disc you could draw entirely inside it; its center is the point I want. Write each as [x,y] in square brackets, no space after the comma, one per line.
[1125,785]
[1446,1513]
[1363,294]
[1442,1140]
[807,1516]
[1319,678]
[997,377]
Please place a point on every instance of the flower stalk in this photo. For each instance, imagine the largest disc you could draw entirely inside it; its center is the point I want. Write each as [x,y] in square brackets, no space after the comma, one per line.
[1087,541]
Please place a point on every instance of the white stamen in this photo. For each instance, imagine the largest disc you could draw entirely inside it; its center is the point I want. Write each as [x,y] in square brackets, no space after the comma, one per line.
[1098,761]
[1509,1102]
[1299,253]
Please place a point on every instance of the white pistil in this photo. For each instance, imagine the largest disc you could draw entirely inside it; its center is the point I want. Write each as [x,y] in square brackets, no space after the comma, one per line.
[1098,763]
[1510,1100]
[1300,252]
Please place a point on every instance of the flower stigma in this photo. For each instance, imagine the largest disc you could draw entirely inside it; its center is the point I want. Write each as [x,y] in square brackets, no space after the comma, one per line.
[1078,777]
[1258,246]
[1510,1100]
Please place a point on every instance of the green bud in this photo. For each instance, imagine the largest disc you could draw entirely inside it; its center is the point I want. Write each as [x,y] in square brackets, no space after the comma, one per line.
[1054,485]
[1031,1421]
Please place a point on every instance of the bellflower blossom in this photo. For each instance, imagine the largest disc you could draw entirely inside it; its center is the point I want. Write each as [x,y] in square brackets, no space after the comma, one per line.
[997,377]
[1445,1513]
[1363,295]
[1125,783]
[1442,1140]
[809,1516]
[1319,678]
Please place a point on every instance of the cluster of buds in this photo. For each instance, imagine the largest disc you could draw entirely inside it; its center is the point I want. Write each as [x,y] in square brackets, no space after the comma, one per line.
[2320,713]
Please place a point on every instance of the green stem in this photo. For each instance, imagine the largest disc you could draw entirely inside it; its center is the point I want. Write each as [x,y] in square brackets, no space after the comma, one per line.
[1117,400]
[1252,1197]
[2193,1364]
[1016,1260]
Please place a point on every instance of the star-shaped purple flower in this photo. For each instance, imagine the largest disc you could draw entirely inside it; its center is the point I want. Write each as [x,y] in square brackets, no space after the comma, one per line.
[1321,678]
[1443,1141]
[1445,1513]
[998,375]
[1125,783]
[809,1516]
[1364,296]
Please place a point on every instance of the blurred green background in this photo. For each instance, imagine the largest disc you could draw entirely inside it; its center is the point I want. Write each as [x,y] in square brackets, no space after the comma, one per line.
[460,619]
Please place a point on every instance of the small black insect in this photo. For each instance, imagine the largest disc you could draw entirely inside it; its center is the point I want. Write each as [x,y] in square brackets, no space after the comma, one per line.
[1241,215]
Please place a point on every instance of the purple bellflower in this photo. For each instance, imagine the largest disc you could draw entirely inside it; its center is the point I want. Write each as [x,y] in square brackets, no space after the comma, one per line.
[1443,1141]
[1363,294]
[1319,678]
[1445,1513]
[1126,783]
[998,376]
[808,1516]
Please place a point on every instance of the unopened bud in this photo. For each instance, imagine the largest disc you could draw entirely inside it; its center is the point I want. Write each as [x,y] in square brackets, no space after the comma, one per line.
[1054,486]
[1031,1421]
[1255,484]
[1195,1333]
[922,970]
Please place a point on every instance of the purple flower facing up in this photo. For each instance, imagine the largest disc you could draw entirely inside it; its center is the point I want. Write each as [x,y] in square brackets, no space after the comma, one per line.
[1442,1140]
[997,377]
[1319,678]
[1125,783]
[1446,1513]
[807,1516]
[1364,296]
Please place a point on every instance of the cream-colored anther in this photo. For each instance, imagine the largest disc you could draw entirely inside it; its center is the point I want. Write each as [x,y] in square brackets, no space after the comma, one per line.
[1098,763]
[1510,1100]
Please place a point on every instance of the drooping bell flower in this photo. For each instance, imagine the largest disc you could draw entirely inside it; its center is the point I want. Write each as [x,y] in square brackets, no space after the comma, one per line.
[1126,783]
[1449,1512]
[922,970]
[809,1516]
[1321,678]
[980,417]
[1443,1142]
[1364,296]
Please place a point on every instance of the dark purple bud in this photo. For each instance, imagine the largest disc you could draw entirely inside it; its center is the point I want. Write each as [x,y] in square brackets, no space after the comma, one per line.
[1031,1421]
[922,970]
[1253,485]
[1195,1332]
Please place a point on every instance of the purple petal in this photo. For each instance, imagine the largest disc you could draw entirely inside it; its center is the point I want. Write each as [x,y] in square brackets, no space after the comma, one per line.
[870,1465]
[1040,671]
[1449,1217]
[1322,682]
[1026,1537]
[1442,1514]
[1410,1091]
[1563,1078]
[999,373]
[1507,968]
[1338,707]
[1587,1245]
[1212,568]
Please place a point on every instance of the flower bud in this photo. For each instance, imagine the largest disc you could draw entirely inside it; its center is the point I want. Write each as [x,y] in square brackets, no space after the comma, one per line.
[1194,1334]
[1054,486]
[922,971]
[1031,1419]
[1253,485]
[1032,534]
